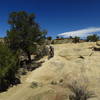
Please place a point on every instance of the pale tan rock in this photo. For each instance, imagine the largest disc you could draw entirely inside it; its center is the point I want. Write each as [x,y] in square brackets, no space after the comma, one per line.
[98,43]
[65,65]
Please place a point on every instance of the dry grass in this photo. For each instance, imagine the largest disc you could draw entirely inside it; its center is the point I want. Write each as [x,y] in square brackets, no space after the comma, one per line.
[80,92]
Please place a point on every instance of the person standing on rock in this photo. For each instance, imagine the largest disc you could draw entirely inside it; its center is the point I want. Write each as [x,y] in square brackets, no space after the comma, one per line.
[50,52]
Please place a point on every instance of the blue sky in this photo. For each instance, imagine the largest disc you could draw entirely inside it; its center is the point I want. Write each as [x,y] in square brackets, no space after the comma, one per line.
[57,16]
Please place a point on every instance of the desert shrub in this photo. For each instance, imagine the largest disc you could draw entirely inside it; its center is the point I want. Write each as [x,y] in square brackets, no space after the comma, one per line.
[61,81]
[62,38]
[8,67]
[49,38]
[53,82]
[76,39]
[57,37]
[52,42]
[35,84]
[92,38]
[79,92]
[70,37]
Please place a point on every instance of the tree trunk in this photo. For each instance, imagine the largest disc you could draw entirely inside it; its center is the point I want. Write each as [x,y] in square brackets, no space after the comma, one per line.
[29,57]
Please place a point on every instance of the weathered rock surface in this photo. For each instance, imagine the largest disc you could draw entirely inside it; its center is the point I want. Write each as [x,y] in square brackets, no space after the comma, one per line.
[98,43]
[54,75]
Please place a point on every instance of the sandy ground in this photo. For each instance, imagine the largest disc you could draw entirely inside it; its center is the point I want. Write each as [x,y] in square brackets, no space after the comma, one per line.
[71,62]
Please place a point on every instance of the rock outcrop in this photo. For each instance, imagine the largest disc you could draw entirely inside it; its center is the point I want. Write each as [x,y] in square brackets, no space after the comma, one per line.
[70,62]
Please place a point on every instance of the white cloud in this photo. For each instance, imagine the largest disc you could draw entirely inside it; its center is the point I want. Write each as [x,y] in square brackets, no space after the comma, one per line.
[81,33]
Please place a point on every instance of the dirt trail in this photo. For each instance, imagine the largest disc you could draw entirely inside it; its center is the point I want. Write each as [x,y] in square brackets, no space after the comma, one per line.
[71,62]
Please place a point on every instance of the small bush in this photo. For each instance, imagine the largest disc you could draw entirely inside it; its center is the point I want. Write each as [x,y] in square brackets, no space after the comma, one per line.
[52,42]
[92,38]
[79,92]
[8,67]
[36,84]
[49,38]
[53,82]
[61,81]
[57,37]
[76,39]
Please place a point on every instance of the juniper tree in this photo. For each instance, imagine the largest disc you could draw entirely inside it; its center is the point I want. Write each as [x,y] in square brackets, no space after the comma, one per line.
[8,67]
[24,32]
[92,38]
[76,39]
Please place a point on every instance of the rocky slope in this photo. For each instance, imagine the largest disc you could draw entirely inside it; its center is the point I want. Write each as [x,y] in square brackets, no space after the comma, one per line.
[71,62]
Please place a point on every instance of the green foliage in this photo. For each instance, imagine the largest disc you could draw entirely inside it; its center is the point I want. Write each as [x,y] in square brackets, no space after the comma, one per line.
[70,37]
[49,38]
[57,37]
[76,39]
[8,67]
[92,38]
[62,38]
[24,32]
